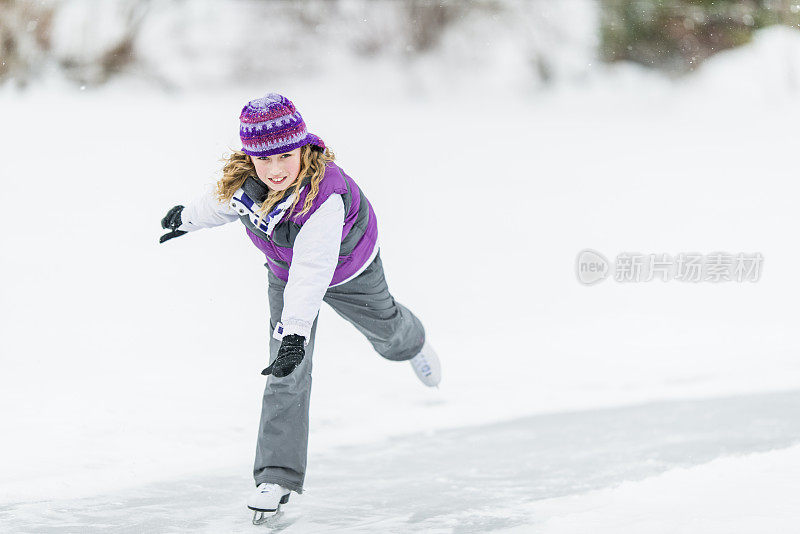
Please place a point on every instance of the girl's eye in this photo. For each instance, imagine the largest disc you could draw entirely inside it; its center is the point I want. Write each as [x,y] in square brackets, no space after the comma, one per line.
[286,155]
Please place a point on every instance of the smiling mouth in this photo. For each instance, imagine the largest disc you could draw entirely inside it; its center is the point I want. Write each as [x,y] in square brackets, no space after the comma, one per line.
[274,181]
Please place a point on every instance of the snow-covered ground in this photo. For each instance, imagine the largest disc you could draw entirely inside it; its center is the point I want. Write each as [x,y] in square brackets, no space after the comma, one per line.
[130,387]
[742,494]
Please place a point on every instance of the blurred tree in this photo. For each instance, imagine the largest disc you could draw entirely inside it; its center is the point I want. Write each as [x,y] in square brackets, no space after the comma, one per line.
[426,20]
[96,43]
[677,35]
[24,38]
[90,55]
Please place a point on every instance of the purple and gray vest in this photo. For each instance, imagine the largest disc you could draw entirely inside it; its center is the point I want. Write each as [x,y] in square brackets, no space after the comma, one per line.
[276,233]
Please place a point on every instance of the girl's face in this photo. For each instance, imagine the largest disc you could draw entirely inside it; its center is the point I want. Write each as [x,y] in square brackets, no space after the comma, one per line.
[278,171]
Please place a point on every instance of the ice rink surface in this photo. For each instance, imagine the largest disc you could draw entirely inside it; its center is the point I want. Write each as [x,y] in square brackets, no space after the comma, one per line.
[470,480]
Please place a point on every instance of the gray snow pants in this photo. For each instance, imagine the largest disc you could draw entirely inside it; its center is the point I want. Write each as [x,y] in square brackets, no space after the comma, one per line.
[365,301]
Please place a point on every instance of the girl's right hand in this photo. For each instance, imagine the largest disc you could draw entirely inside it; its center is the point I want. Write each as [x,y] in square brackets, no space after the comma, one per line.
[171,221]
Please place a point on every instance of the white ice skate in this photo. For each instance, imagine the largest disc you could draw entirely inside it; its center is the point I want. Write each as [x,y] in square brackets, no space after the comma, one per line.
[266,501]
[426,365]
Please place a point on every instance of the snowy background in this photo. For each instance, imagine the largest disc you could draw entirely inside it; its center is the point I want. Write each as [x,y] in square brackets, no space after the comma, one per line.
[130,387]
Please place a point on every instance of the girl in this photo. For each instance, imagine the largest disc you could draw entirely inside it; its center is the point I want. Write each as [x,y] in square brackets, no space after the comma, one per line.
[320,237]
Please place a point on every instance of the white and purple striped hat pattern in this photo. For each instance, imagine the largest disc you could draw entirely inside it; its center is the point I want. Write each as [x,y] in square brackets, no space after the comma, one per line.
[272,125]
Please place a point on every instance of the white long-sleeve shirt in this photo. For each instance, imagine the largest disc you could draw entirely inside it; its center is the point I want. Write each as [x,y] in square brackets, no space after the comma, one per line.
[315,255]
[205,211]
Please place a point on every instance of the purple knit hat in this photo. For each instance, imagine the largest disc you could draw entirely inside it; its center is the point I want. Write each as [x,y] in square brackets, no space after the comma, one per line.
[271,125]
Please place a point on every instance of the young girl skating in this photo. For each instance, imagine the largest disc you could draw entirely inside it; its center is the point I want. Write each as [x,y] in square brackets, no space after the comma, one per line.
[320,237]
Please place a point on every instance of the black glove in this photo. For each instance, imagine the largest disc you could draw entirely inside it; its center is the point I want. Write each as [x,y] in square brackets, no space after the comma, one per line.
[171,221]
[289,357]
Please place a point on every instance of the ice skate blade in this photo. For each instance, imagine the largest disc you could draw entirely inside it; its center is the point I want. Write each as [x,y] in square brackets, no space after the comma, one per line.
[261,516]
[266,518]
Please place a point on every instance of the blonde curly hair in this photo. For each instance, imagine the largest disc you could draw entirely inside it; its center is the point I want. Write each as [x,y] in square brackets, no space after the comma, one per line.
[238,166]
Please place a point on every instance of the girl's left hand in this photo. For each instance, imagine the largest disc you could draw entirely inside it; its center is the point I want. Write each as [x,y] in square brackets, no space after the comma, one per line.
[289,357]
